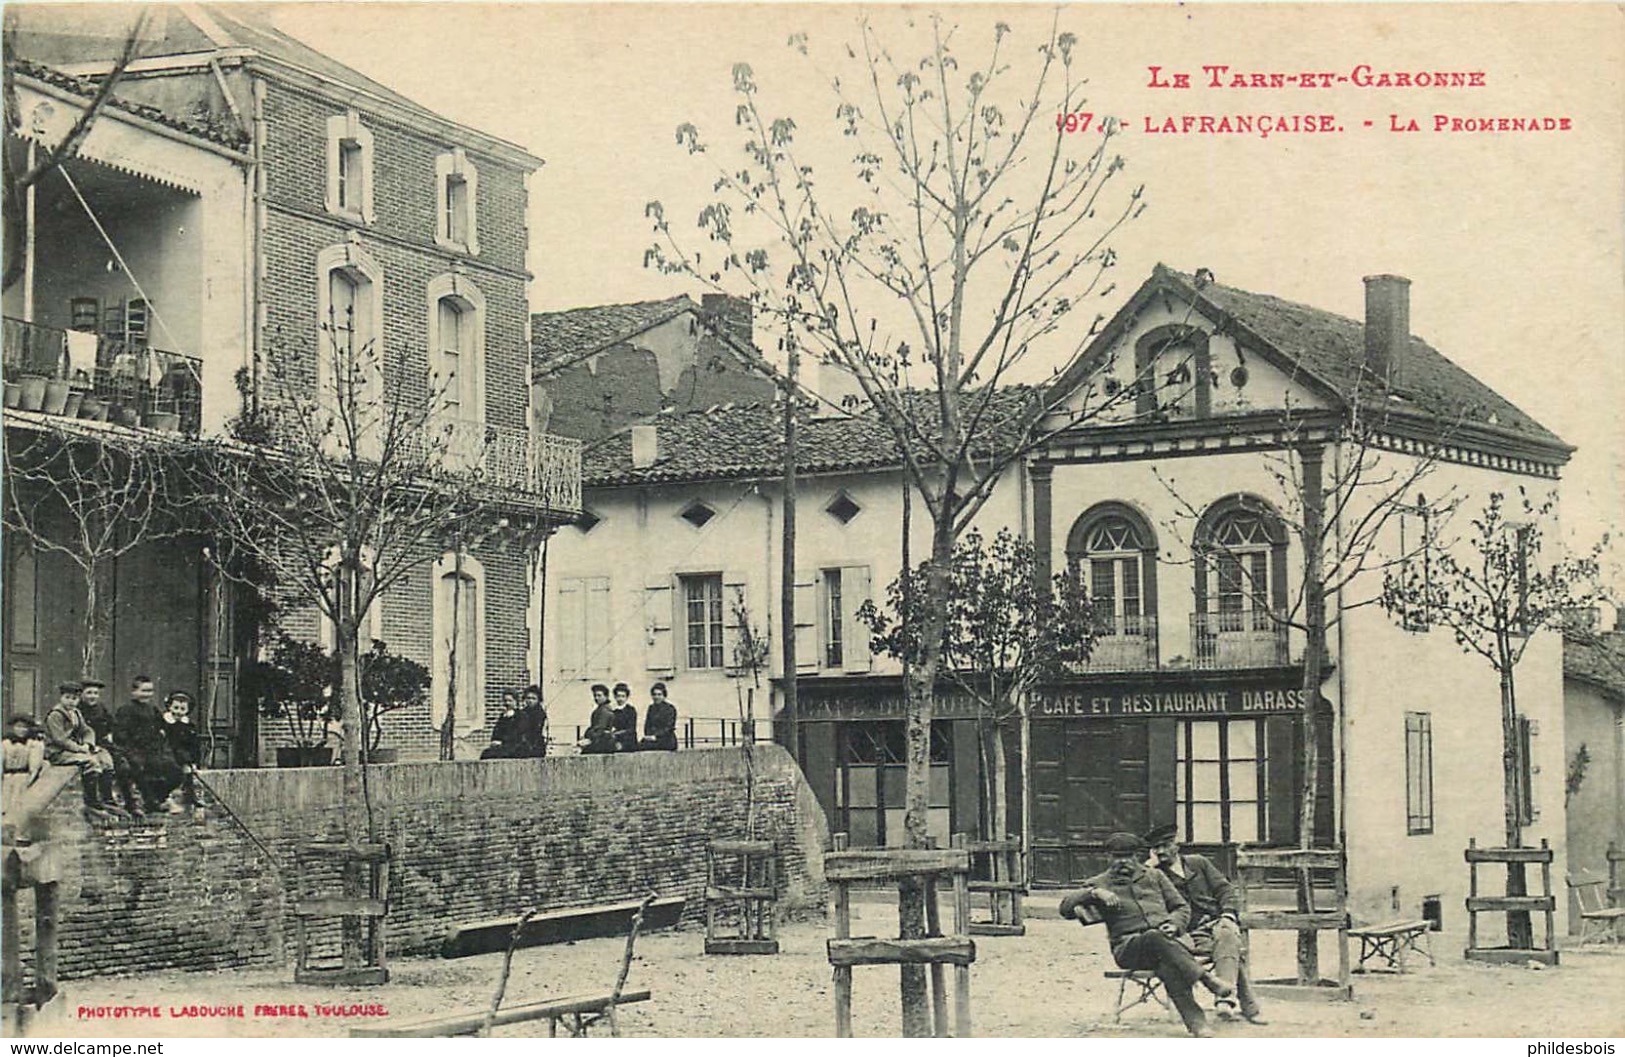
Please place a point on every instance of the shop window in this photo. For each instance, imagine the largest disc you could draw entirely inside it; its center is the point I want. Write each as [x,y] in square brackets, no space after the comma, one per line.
[869,790]
[703,620]
[1418,772]
[1220,775]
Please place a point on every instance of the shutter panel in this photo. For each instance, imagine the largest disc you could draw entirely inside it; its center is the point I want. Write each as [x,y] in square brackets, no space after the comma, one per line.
[570,631]
[735,601]
[595,649]
[855,644]
[807,644]
[659,648]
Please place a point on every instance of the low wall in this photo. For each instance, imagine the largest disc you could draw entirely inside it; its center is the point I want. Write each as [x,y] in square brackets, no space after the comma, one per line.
[471,840]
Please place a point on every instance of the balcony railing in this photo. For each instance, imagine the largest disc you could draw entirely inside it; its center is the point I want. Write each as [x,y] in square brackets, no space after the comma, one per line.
[1124,643]
[545,468]
[106,379]
[1243,638]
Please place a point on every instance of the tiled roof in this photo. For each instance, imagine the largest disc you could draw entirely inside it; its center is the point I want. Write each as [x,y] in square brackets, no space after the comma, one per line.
[560,338]
[1597,658]
[228,137]
[747,440]
[1331,349]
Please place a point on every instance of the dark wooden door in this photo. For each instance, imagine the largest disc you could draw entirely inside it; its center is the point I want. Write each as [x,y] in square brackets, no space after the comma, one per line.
[1090,779]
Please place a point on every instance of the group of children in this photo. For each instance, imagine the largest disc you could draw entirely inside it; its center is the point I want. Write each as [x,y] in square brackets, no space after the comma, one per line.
[137,752]
[616,729]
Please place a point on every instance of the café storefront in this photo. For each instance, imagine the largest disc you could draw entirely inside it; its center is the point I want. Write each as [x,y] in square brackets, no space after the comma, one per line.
[1214,752]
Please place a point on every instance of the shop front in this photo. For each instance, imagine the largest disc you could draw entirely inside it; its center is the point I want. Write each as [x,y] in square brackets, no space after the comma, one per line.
[1215,753]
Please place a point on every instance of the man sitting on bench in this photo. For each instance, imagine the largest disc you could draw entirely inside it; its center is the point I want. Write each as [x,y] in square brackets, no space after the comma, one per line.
[1215,925]
[1144,913]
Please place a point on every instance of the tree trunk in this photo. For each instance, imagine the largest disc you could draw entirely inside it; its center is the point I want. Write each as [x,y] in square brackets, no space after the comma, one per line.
[922,678]
[1314,650]
[787,571]
[90,657]
[357,825]
[1520,929]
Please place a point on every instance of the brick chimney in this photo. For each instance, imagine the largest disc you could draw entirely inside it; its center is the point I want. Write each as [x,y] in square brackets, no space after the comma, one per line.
[732,313]
[645,447]
[1387,324]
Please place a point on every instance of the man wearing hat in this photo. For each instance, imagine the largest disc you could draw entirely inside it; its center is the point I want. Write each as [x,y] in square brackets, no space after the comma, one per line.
[1215,926]
[71,742]
[1144,915]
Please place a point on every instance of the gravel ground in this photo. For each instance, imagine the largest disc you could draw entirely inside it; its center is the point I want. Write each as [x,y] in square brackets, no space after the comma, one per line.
[1045,984]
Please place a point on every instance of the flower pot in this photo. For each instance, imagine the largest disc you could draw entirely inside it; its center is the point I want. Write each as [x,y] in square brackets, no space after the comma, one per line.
[14,394]
[93,409]
[32,395]
[128,416]
[76,400]
[162,420]
[304,756]
[56,396]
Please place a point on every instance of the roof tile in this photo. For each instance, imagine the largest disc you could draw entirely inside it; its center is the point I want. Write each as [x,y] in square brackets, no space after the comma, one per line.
[561,338]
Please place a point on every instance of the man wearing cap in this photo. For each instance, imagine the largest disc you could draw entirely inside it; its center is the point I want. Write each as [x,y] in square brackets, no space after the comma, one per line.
[1144,915]
[1215,926]
[71,742]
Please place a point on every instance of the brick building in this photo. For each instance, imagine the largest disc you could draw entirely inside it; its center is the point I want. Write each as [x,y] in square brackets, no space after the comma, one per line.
[343,200]
[1169,502]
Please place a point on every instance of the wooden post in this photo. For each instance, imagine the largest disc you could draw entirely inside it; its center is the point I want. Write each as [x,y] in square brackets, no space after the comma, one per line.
[1546,890]
[1472,893]
[939,983]
[961,927]
[11,957]
[843,973]
[45,942]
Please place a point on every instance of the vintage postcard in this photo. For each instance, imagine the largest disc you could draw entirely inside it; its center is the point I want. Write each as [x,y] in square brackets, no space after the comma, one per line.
[806,520]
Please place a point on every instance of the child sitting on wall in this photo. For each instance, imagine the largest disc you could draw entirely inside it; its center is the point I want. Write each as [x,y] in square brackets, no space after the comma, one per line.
[184,744]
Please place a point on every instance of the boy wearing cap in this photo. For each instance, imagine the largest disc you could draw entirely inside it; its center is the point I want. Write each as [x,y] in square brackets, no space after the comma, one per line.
[71,742]
[1144,913]
[1215,926]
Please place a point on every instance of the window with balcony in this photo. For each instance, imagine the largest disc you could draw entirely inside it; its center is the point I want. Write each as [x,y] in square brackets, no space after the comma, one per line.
[350,357]
[1240,586]
[457,366]
[457,192]
[1112,548]
[349,168]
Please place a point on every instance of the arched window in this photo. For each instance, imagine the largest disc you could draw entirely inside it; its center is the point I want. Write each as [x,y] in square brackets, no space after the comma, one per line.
[1172,372]
[457,363]
[350,355]
[458,664]
[1240,584]
[1113,548]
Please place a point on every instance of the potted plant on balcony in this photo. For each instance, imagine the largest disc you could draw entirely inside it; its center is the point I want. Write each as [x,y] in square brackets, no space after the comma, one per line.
[31,391]
[389,681]
[293,682]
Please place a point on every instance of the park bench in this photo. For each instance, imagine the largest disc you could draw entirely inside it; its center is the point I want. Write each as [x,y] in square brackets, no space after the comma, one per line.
[579,1013]
[558,926]
[1391,941]
[1598,920]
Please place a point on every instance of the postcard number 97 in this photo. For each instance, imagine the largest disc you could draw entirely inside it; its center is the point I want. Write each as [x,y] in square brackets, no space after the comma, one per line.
[1077,121]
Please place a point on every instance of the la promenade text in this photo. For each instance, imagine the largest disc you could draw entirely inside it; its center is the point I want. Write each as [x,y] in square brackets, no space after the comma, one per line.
[1454,105]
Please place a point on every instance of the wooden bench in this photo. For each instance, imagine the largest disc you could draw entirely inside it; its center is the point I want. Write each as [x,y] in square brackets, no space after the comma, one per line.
[558,926]
[1391,941]
[582,1012]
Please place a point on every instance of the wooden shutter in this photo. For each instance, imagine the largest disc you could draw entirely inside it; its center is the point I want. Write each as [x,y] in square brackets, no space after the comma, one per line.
[855,634]
[807,644]
[595,620]
[660,649]
[735,599]
[570,631]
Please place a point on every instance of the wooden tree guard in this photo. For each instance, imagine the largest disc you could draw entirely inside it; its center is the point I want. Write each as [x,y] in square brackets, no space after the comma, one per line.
[1251,867]
[844,868]
[1477,904]
[364,913]
[752,900]
[1004,886]
[1616,875]
[30,857]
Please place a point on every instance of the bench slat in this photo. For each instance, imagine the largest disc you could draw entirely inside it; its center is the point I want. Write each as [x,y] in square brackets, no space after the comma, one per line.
[1390,928]
[463,1023]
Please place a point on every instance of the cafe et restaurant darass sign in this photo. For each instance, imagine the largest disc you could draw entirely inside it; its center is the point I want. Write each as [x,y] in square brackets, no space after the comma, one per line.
[877,699]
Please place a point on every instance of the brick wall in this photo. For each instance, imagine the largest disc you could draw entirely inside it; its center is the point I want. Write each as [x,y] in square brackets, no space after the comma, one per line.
[472,840]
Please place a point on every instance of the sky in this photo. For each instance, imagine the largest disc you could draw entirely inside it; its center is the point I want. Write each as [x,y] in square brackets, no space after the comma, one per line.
[1512,240]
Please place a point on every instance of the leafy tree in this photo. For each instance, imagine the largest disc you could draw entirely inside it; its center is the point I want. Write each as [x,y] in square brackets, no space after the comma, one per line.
[1495,594]
[1007,631]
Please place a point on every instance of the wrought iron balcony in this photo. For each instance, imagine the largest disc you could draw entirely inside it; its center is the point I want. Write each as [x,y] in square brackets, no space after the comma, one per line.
[545,468]
[84,375]
[1124,643]
[1242,638]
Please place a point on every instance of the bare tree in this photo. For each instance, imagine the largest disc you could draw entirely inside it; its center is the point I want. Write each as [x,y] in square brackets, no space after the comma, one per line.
[1341,516]
[92,495]
[974,218]
[1495,594]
